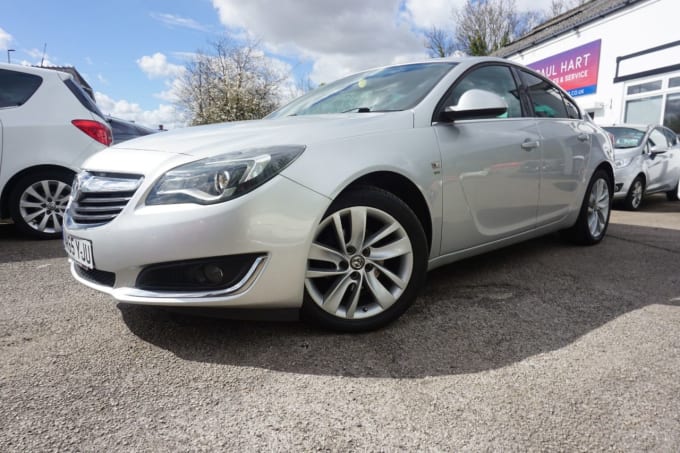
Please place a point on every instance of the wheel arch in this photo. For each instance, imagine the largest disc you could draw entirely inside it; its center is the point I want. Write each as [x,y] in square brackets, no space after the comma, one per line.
[7,190]
[403,188]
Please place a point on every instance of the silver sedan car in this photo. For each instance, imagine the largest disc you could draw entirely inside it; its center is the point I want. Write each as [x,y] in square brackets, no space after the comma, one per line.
[337,204]
[647,160]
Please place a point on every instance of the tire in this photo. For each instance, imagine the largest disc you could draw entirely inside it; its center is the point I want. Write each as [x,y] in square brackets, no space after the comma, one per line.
[635,193]
[38,201]
[674,195]
[593,220]
[366,264]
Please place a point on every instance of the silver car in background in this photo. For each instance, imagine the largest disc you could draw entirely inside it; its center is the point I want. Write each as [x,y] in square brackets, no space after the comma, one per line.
[337,204]
[647,161]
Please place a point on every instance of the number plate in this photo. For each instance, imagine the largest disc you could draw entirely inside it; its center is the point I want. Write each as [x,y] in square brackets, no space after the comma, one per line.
[79,250]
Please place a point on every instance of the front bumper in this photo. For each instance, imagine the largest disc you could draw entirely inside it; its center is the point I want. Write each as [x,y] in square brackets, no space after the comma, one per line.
[275,221]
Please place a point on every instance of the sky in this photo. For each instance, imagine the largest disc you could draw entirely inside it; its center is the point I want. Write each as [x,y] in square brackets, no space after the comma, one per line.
[133,53]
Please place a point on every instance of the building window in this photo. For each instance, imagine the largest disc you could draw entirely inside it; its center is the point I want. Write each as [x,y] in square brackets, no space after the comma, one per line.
[644,87]
[671,116]
[655,101]
[644,110]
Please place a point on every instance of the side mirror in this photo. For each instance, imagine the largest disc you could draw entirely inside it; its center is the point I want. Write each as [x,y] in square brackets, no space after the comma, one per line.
[654,150]
[475,103]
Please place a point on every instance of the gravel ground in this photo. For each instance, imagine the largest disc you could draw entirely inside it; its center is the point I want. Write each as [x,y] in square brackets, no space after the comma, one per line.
[541,346]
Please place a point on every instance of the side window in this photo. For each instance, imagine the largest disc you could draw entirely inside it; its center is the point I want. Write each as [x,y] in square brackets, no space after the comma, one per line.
[670,135]
[657,138]
[572,109]
[496,79]
[17,87]
[545,98]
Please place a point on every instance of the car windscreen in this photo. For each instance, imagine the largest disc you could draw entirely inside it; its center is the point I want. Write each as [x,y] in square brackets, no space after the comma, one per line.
[626,137]
[386,89]
[83,97]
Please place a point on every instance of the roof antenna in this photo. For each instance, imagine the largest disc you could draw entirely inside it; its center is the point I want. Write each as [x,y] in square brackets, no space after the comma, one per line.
[43,55]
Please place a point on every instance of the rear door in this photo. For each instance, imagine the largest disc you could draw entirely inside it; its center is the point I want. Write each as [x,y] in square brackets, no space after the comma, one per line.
[490,166]
[565,148]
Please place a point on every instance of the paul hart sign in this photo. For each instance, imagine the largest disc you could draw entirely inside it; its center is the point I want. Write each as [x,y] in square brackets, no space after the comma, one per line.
[574,70]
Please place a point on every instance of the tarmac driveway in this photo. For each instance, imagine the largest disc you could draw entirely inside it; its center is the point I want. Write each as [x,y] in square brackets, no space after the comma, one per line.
[541,346]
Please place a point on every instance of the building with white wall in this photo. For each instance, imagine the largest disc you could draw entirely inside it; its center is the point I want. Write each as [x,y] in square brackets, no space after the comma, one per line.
[620,59]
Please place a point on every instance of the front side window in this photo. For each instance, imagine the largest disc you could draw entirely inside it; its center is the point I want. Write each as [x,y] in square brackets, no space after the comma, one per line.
[17,87]
[496,79]
[658,139]
[545,98]
[386,89]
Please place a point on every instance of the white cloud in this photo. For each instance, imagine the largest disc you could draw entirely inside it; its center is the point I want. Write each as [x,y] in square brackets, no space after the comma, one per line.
[166,114]
[157,66]
[340,37]
[173,20]
[437,13]
[5,39]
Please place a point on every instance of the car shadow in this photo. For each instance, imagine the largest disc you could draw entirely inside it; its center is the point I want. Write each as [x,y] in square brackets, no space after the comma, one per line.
[15,246]
[479,314]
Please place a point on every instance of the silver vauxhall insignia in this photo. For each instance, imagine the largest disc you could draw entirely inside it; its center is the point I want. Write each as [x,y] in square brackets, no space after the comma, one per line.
[338,203]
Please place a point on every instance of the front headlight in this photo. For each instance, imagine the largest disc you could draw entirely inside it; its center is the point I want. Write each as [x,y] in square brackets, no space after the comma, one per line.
[623,162]
[221,178]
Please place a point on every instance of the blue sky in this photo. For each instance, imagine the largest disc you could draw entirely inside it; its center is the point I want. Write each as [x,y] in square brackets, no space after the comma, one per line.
[131,52]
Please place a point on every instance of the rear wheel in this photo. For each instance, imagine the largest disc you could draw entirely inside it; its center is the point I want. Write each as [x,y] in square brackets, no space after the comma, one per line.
[38,203]
[593,219]
[635,193]
[366,263]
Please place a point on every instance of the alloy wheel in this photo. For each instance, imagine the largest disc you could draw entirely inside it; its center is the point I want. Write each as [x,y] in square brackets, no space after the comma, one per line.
[636,194]
[360,263]
[598,208]
[42,205]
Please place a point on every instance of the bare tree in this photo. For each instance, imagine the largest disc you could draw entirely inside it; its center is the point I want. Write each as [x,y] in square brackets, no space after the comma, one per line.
[439,43]
[231,83]
[558,7]
[484,26]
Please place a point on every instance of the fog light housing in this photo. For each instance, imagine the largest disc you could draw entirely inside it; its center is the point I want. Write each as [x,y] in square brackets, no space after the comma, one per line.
[202,274]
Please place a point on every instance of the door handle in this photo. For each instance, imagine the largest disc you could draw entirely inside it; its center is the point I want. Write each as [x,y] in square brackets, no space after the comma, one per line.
[528,144]
[583,137]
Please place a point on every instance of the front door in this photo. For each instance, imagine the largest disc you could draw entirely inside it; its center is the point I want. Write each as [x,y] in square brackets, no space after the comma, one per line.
[491,167]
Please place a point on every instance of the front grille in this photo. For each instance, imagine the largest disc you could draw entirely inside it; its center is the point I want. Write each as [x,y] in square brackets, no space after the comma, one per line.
[95,276]
[98,198]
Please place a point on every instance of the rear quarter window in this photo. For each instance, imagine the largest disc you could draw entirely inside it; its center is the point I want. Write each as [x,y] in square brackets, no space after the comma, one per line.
[17,87]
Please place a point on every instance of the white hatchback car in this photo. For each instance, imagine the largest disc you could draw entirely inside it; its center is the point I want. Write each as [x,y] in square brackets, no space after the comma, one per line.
[48,127]
[647,160]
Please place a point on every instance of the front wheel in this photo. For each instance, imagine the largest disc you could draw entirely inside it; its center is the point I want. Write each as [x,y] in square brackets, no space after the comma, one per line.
[366,264]
[593,219]
[38,202]
[635,193]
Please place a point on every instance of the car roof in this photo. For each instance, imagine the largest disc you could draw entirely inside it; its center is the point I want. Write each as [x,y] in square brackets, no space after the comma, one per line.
[43,72]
